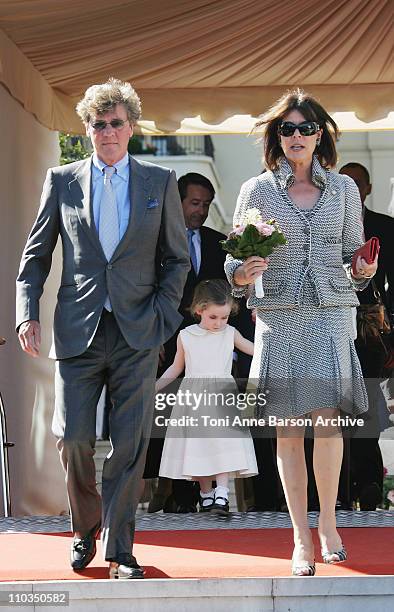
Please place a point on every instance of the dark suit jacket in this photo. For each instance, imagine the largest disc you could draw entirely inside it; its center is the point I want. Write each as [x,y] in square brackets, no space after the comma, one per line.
[381,226]
[144,278]
[212,266]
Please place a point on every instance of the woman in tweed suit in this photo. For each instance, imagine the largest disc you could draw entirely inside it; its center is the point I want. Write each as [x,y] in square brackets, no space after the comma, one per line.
[304,345]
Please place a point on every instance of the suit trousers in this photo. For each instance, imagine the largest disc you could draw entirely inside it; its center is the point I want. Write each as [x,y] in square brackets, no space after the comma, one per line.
[130,376]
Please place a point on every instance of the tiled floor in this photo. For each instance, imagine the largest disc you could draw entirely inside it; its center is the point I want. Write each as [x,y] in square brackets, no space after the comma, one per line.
[236,520]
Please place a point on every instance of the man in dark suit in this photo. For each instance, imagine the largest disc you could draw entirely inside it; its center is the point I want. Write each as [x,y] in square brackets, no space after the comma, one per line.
[206,254]
[117,303]
[366,465]
[207,262]
[382,226]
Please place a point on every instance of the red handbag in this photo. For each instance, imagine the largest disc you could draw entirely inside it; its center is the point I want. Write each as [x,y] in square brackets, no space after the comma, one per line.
[368,251]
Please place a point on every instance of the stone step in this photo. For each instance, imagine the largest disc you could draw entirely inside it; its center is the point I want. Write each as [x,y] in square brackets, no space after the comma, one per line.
[367,593]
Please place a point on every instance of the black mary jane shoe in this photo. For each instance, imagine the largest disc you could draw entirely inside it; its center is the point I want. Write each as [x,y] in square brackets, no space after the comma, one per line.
[206,507]
[83,550]
[220,509]
[125,567]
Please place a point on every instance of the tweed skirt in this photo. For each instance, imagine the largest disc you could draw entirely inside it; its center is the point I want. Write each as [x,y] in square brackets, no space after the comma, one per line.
[304,360]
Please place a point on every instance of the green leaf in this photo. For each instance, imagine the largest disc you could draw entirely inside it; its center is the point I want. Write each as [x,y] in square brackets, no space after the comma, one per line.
[251,242]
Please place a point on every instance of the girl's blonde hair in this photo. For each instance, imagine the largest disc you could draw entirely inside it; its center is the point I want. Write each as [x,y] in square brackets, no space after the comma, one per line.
[216,291]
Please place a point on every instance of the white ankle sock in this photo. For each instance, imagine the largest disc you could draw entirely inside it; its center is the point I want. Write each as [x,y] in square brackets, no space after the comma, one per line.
[221,492]
[204,496]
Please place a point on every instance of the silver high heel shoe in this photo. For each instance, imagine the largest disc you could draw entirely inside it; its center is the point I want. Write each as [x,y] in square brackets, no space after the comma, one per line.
[338,556]
[302,568]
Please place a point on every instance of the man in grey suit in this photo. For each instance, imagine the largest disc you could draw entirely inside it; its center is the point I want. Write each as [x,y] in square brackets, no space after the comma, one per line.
[125,262]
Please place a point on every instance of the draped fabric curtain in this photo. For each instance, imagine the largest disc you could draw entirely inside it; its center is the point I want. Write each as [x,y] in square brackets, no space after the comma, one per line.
[185,58]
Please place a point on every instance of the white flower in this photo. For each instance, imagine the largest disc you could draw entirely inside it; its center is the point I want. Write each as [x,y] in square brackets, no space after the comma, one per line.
[252,216]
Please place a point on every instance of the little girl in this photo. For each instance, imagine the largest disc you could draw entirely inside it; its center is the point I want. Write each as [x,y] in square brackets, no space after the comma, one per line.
[205,352]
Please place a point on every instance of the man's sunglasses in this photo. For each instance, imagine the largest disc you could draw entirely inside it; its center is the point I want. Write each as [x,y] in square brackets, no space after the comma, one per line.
[306,128]
[116,124]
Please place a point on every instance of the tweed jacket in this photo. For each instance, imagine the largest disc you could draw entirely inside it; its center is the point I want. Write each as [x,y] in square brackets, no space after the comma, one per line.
[320,242]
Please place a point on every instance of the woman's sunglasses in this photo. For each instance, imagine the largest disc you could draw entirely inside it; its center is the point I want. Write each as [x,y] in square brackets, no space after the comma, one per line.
[306,128]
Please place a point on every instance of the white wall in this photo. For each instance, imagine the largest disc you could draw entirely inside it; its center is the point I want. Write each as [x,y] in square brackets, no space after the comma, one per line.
[37,481]
[238,157]
[220,217]
[375,150]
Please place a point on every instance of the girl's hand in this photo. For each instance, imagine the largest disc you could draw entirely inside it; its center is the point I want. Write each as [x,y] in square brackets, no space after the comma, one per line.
[243,344]
[251,268]
[175,369]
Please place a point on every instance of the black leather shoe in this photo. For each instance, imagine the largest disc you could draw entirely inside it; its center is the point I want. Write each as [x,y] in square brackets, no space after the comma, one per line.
[125,567]
[371,496]
[83,550]
[170,505]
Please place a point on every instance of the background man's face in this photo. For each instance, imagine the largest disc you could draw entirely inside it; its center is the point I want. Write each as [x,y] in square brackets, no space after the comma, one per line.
[196,206]
[110,144]
[359,178]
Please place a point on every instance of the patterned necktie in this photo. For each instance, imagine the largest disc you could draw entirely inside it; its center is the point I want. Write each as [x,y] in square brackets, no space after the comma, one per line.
[109,218]
[192,249]
[109,221]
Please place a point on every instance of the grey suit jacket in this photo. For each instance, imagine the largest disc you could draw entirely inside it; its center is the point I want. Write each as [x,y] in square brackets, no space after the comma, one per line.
[144,278]
[320,244]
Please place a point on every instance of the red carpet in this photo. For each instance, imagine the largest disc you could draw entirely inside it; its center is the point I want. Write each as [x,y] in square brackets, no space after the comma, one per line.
[197,554]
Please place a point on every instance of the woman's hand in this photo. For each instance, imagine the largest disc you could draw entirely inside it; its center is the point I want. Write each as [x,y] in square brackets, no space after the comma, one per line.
[365,270]
[251,268]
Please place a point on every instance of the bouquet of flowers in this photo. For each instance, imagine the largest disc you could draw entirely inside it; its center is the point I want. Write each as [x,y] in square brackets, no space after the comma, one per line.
[254,237]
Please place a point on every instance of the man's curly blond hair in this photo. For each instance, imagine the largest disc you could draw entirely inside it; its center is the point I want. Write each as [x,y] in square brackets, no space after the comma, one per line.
[100,99]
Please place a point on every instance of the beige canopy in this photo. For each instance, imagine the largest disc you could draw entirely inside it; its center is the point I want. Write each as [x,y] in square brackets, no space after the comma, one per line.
[211,59]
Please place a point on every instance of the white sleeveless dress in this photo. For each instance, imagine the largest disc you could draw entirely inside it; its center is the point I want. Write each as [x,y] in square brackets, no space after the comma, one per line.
[193,451]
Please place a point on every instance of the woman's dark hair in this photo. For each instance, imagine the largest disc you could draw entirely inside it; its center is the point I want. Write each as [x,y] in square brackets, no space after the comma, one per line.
[310,108]
[216,291]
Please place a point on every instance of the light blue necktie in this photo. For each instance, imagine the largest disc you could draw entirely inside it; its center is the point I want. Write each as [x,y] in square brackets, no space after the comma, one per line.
[192,249]
[109,220]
